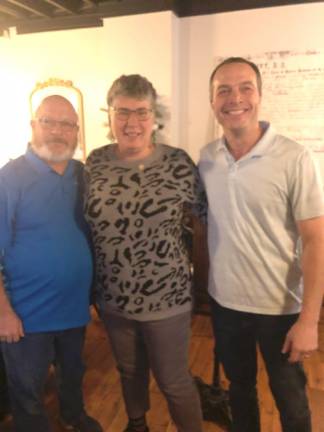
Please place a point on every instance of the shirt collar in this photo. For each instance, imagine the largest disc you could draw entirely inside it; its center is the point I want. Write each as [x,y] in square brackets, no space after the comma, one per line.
[259,149]
[264,143]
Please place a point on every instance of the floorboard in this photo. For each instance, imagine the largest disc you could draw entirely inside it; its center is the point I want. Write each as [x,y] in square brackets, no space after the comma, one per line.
[103,393]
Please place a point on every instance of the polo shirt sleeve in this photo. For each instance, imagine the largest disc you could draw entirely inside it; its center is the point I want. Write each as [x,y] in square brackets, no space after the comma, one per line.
[306,192]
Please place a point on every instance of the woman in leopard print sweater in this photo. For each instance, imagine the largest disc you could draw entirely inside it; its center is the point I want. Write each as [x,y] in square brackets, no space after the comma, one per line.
[137,192]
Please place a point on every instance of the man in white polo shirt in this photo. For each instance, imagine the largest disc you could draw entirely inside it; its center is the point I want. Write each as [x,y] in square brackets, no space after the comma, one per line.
[264,195]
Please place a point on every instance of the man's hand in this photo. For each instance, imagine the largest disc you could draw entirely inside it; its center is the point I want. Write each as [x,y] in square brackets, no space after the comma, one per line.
[11,328]
[301,341]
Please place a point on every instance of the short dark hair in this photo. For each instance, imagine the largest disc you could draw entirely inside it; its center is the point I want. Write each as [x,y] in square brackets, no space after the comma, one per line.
[133,86]
[231,60]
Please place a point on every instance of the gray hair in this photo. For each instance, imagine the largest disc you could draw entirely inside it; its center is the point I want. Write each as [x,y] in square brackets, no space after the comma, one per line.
[133,86]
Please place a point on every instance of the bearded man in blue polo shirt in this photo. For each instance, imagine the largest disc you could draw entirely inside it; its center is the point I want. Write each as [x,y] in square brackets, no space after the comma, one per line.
[47,269]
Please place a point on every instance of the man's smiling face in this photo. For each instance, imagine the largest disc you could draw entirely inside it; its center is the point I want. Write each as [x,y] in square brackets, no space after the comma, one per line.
[236,98]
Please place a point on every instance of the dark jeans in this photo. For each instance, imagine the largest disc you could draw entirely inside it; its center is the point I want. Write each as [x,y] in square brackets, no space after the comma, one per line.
[27,363]
[4,398]
[237,335]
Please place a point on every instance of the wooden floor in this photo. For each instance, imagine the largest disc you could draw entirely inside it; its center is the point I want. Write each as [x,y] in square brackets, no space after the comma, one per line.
[103,395]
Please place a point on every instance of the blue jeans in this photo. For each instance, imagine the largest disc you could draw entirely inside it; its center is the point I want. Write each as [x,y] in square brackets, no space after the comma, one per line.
[237,335]
[27,363]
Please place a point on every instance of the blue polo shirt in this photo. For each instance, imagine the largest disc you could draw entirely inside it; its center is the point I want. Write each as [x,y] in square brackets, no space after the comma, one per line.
[46,256]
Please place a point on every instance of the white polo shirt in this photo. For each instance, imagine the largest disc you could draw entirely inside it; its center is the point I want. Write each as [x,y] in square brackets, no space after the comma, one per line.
[254,204]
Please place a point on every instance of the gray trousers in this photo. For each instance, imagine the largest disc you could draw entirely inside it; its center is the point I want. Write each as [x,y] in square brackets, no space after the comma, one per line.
[161,346]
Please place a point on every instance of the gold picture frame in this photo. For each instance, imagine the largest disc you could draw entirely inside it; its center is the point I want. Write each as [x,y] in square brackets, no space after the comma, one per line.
[66,89]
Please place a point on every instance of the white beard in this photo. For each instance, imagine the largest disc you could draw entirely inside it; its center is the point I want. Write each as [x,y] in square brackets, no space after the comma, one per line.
[46,154]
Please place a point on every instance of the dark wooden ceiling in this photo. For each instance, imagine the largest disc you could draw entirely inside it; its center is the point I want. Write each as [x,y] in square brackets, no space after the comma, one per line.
[30,16]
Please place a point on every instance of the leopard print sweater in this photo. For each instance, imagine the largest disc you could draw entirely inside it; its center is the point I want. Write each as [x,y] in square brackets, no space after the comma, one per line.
[135,211]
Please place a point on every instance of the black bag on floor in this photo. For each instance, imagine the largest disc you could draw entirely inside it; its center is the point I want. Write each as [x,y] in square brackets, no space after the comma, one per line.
[214,399]
[214,403]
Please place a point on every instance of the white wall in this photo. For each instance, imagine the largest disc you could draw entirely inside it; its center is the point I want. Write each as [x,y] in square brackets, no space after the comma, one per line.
[138,44]
[204,38]
[92,59]
[177,55]
[36,57]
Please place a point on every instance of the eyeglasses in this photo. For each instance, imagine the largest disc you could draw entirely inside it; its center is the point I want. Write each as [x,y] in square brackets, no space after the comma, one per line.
[123,114]
[48,124]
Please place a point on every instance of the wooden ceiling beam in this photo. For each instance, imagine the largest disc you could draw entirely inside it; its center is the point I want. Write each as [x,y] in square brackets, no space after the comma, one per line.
[58,23]
[197,7]
[49,15]
[13,11]
[90,2]
[69,6]
[113,8]
[37,7]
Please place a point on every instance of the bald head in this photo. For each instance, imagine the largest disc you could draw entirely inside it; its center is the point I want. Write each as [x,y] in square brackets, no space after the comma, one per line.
[55,101]
[55,129]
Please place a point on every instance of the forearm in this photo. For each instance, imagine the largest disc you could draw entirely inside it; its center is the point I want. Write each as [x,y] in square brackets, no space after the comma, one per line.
[313,278]
[302,338]
[11,327]
[5,305]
